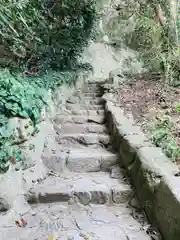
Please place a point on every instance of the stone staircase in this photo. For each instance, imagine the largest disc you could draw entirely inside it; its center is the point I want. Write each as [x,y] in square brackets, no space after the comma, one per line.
[81,153]
[86,195]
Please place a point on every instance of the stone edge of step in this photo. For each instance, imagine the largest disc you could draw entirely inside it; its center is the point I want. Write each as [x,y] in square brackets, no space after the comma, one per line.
[86,100]
[81,128]
[97,193]
[86,139]
[71,106]
[79,119]
[155,177]
[79,161]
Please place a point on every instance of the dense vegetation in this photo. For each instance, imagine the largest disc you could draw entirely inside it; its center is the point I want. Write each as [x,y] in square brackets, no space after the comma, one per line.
[155,34]
[44,33]
[40,42]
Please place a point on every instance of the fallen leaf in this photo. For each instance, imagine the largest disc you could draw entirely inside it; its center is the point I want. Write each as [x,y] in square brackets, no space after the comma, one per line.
[21,223]
[52,237]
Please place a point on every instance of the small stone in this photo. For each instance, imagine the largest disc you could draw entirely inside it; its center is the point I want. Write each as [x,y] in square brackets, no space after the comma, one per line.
[70,238]
[70,201]
[115,172]
[84,235]
[163,105]
[33,213]
[134,203]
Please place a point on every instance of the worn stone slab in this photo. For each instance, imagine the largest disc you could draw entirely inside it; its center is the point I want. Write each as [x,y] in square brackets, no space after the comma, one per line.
[84,138]
[91,88]
[82,106]
[86,100]
[119,124]
[80,128]
[83,161]
[152,173]
[129,145]
[55,161]
[85,93]
[78,159]
[87,112]
[86,188]
[167,207]
[88,160]
[93,94]
[149,166]
[154,160]
[79,119]
[76,222]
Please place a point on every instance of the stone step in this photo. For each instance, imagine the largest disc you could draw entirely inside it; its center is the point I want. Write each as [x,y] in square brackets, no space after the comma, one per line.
[85,100]
[87,112]
[88,159]
[86,139]
[98,82]
[91,88]
[83,112]
[85,188]
[93,94]
[71,106]
[80,128]
[78,222]
[93,100]
[62,119]
[72,144]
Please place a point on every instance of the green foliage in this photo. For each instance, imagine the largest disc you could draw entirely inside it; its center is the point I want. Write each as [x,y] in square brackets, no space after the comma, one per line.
[178,107]
[153,41]
[45,33]
[18,98]
[162,137]
[24,97]
[44,38]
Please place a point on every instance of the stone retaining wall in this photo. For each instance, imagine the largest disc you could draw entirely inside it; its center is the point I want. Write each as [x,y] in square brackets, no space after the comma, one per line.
[155,177]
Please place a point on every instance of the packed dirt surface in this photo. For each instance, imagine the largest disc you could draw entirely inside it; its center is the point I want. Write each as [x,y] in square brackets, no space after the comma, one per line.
[150,102]
[148,98]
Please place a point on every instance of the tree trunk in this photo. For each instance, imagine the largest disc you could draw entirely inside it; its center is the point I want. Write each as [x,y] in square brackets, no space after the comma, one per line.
[173,19]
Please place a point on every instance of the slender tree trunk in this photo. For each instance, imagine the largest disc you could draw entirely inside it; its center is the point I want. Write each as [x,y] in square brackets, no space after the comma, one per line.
[158,14]
[173,18]
[170,12]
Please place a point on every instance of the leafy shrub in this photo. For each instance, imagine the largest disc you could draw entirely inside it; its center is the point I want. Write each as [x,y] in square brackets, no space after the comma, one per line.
[24,97]
[178,108]
[162,137]
[45,33]
[44,39]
